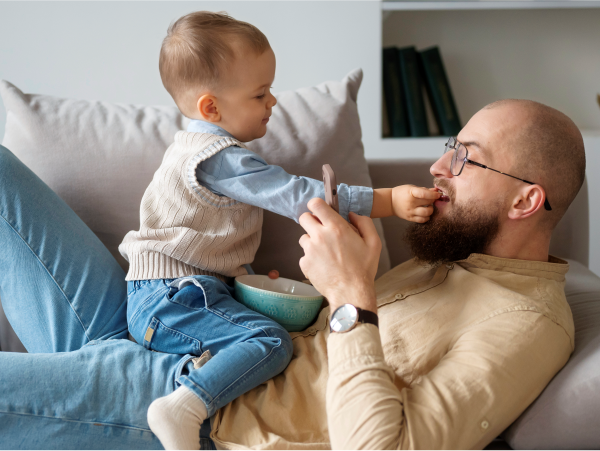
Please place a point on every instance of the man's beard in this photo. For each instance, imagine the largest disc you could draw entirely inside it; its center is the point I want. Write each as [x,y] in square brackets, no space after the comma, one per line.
[467,230]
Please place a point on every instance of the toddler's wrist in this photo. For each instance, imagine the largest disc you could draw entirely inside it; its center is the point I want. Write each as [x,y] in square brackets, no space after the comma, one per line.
[398,192]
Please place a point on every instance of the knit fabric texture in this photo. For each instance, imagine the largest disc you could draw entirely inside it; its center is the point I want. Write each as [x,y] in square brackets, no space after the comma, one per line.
[185,229]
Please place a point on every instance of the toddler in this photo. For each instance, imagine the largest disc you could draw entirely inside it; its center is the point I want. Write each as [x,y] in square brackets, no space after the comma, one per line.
[201,219]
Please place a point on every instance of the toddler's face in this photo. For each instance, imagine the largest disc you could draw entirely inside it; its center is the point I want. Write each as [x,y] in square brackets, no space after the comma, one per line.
[244,99]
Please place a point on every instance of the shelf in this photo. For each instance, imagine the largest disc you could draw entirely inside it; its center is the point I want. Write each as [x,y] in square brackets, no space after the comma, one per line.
[480,5]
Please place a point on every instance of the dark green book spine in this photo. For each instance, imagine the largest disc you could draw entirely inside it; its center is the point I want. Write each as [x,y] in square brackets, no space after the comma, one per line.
[392,87]
[413,91]
[440,94]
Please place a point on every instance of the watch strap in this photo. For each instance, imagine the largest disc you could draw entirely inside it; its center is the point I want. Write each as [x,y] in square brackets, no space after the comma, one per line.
[367,317]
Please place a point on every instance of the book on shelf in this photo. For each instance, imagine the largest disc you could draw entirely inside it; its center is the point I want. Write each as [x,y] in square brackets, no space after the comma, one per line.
[393,92]
[412,87]
[439,92]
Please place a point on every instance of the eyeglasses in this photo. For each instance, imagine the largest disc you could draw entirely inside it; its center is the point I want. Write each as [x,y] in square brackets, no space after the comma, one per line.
[461,157]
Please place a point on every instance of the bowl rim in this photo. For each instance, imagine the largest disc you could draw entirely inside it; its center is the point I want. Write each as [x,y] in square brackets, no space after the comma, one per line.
[277,294]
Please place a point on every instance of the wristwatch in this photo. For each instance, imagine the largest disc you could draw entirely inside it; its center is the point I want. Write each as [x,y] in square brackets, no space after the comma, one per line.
[346,317]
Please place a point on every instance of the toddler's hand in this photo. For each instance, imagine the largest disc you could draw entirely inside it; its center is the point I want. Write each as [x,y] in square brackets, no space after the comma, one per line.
[413,203]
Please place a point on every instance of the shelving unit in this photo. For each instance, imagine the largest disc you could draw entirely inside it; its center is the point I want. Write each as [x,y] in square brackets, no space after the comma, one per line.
[545,51]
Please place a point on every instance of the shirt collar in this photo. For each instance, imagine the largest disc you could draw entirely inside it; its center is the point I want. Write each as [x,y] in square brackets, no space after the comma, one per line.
[555,268]
[198,126]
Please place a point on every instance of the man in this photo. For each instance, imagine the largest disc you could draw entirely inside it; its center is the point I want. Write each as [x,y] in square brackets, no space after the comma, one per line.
[464,344]
[469,333]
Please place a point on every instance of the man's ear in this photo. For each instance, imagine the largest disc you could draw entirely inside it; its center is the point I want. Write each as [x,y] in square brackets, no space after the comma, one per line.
[527,202]
[208,108]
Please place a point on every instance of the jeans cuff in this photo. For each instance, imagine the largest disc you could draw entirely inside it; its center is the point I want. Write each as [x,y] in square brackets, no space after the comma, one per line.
[200,393]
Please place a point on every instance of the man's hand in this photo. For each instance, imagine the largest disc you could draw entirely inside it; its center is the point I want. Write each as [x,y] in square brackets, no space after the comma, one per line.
[340,263]
[413,203]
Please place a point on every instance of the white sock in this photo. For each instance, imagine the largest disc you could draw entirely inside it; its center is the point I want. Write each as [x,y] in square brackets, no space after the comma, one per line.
[176,419]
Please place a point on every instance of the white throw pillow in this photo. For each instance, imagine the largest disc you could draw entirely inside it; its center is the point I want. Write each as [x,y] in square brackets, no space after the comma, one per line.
[565,415]
[100,157]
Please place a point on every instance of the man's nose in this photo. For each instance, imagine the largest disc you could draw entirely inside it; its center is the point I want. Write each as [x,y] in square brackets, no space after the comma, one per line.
[273,101]
[441,168]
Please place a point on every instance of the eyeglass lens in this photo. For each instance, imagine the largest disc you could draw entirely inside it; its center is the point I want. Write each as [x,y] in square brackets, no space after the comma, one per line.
[459,157]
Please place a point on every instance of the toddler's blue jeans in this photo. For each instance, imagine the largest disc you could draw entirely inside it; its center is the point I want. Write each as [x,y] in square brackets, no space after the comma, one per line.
[198,315]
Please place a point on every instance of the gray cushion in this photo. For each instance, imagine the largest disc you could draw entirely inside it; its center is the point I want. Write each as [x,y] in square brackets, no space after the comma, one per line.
[99,157]
[566,415]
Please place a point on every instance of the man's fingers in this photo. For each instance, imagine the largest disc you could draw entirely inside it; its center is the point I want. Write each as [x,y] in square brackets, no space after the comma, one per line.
[309,223]
[303,239]
[424,193]
[366,228]
[324,212]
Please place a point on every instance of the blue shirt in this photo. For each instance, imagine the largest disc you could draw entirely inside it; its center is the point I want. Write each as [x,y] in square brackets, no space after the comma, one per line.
[246,177]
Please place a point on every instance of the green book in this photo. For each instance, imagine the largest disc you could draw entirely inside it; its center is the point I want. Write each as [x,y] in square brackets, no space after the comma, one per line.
[392,89]
[440,94]
[412,87]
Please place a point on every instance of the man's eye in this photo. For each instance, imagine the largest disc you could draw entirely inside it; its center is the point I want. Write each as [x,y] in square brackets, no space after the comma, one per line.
[260,96]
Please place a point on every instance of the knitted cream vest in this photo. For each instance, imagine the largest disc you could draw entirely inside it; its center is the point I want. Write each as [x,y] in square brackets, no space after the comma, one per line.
[185,229]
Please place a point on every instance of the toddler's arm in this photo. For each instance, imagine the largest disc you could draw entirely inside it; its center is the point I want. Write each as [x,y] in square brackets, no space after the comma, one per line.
[406,201]
[245,176]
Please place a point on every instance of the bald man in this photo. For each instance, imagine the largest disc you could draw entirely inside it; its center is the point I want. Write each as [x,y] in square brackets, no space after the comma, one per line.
[442,352]
[470,331]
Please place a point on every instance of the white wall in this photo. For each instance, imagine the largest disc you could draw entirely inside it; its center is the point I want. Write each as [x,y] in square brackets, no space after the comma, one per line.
[109,50]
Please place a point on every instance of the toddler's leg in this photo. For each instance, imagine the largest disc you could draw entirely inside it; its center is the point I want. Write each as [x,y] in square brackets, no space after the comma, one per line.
[247,348]
[176,419]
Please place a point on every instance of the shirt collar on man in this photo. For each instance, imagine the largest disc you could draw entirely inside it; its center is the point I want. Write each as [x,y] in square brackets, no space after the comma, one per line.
[198,126]
[554,269]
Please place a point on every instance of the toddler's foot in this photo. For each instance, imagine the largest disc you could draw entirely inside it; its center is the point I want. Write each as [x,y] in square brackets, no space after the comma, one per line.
[176,419]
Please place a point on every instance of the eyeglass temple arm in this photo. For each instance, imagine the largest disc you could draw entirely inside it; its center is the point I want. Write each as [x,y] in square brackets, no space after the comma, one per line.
[546,203]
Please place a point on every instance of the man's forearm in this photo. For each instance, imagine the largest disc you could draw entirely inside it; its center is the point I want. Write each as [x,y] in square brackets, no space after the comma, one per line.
[364,409]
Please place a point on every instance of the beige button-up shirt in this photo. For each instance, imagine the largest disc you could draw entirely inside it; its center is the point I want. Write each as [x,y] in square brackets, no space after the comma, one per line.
[461,351]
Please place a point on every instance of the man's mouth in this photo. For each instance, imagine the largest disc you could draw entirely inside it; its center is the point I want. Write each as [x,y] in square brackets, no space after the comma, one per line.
[266,119]
[444,196]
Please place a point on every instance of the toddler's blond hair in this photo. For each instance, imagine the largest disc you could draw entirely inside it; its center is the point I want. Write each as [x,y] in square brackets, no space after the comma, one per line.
[197,51]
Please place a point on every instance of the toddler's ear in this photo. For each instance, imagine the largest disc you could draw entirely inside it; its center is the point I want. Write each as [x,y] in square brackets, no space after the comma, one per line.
[207,108]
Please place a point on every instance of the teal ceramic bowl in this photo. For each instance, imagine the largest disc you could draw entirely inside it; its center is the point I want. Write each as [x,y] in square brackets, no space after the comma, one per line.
[292,304]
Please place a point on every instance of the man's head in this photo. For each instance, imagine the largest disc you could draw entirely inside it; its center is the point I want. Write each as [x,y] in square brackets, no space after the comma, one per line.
[220,70]
[493,213]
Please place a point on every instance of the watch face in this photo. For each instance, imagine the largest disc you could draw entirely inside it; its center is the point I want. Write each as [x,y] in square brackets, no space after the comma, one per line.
[344,318]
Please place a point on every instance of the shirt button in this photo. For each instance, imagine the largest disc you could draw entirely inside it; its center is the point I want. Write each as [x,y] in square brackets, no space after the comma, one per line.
[485,424]
[312,330]
[400,296]
[450,265]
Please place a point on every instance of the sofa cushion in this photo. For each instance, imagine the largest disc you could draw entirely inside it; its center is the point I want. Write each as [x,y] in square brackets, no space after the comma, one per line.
[565,415]
[100,157]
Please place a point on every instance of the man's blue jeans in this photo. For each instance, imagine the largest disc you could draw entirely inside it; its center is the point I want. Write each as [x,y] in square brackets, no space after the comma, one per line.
[198,315]
[83,385]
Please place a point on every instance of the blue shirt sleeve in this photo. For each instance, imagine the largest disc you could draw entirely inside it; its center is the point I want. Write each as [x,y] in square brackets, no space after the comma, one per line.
[246,177]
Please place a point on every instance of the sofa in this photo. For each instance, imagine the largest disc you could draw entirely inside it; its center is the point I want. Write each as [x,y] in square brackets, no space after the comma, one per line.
[110,152]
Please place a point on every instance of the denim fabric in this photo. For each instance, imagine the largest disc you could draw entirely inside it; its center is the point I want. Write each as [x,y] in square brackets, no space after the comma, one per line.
[82,385]
[196,314]
[246,177]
